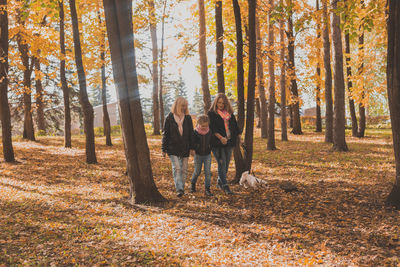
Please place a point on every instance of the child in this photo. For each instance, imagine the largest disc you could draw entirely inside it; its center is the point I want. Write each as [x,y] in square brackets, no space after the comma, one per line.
[177,141]
[202,146]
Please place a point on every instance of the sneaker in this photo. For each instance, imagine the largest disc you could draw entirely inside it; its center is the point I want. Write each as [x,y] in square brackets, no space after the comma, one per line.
[208,192]
[193,188]
[180,193]
[227,190]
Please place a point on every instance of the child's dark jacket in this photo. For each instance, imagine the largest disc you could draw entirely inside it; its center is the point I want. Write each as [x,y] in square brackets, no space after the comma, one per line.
[202,143]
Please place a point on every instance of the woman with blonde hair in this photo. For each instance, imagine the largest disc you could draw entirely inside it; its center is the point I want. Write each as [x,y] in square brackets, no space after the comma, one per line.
[224,126]
[177,141]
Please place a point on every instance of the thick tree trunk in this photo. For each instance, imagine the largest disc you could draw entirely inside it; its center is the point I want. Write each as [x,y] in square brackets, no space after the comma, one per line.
[41,123]
[5,117]
[284,136]
[271,71]
[361,107]
[160,91]
[87,108]
[203,57]
[153,33]
[293,83]
[339,134]
[393,86]
[64,85]
[328,77]
[263,114]
[318,121]
[120,35]
[240,164]
[219,29]
[248,141]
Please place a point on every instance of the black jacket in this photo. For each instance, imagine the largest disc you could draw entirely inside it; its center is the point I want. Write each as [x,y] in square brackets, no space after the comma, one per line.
[217,126]
[172,142]
[202,143]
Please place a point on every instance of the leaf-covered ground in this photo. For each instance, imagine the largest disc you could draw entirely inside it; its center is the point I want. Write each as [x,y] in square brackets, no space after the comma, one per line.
[57,210]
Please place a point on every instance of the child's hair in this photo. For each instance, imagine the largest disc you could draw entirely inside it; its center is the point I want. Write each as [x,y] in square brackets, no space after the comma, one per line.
[175,109]
[203,119]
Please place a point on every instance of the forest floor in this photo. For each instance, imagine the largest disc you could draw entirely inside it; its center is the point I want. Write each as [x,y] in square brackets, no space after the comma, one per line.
[57,210]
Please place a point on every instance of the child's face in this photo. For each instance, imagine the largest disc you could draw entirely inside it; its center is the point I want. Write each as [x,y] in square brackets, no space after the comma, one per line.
[203,126]
[221,103]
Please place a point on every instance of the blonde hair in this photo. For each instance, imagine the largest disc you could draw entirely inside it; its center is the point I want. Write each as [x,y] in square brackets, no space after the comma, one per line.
[203,119]
[179,101]
[227,104]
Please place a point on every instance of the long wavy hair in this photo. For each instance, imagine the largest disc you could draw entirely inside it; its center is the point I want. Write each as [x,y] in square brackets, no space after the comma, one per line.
[227,104]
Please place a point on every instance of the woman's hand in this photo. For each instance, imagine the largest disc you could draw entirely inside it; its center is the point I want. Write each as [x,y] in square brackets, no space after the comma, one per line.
[224,140]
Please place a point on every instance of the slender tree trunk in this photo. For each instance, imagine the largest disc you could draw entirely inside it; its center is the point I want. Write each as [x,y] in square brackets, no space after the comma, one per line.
[87,108]
[339,134]
[153,33]
[41,123]
[291,115]
[361,107]
[284,136]
[271,70]
[160,91]
[64,85]
[258,110]
[293,84]
[318,121]
[393,86]
[203,57]
[240,164]
[328,77]
[263,114]
[354,126]
[121,39]
[5,117]
[219,28]
[251,84]
[106,117]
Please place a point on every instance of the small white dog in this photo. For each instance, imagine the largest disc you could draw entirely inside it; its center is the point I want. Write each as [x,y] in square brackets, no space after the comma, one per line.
[249,180]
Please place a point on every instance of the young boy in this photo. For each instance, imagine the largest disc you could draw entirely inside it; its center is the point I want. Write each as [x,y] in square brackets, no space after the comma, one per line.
[202,147]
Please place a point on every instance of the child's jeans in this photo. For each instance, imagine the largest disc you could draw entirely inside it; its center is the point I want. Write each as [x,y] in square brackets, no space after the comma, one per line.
[198,162]
[179,171]
[223,157]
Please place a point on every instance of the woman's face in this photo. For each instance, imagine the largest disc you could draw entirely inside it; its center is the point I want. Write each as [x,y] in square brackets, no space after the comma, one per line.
[221,104]
[183,107]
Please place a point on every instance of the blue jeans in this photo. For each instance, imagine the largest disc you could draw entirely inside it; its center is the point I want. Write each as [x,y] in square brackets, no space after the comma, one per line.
[179,171]
[198,162]
[223,157]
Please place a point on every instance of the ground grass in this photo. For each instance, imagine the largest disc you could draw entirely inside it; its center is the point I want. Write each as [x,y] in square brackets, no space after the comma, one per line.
[57,210]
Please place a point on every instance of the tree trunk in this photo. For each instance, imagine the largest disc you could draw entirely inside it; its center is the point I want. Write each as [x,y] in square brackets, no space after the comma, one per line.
[361,107]
[203,57]
[64,85]
[153,33]
[293,83]
[106,117]
[87,108]
[393,86]
[240,164]
[318,121]
[41,123]
[291,116]
[120,35]
[263,114]
[160,91]
[284,136]
[271,71]
[339,134]
[328,77]
[5,117]
[354,126]
[248,141]
[219,29]
[258,110]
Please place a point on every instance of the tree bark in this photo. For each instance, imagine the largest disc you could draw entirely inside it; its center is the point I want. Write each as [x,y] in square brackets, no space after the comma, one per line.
[258,111]
[339,134]
[121,39]
[361,106]
[153,33]
[318,121]
[160,91]
[240,164]
[219,29]
[393,86]
[41,123]
[64,84]
[271,71]
[5,117]
[263,114]
[293,83]
[87,108]
[251,84]
[328,77]
[203,57]
[284,136]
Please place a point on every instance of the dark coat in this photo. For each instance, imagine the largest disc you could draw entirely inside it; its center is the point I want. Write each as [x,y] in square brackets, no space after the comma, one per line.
[217,126]
[202,143]
[172,142]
